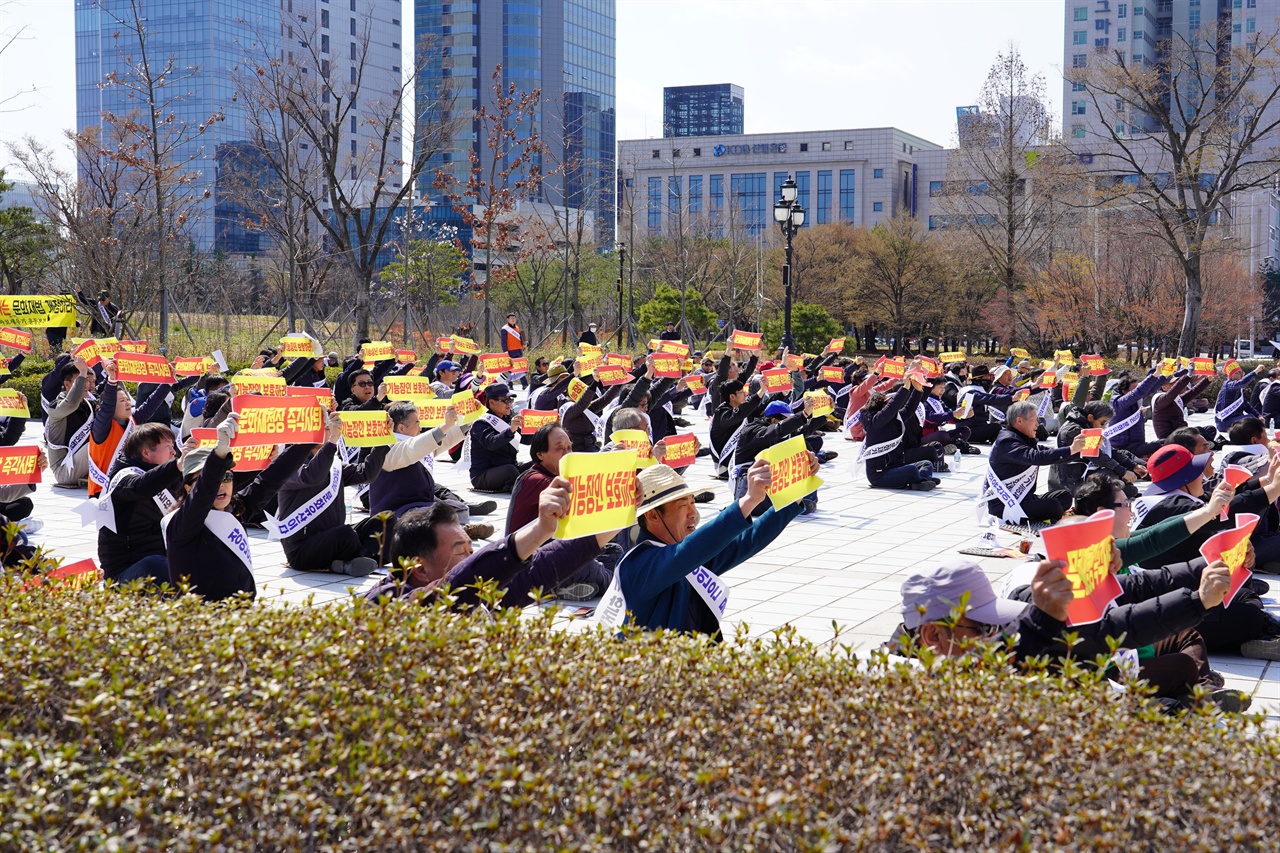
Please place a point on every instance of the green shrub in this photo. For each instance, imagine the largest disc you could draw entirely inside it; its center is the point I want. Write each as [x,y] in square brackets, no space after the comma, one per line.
[130,723]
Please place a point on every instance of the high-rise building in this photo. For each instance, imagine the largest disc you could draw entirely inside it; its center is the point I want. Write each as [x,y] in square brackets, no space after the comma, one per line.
[205,43]
[563,48]
[712,110]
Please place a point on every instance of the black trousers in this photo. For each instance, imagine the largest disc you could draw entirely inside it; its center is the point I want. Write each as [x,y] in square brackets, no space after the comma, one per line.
[983,433]
[370,537]
[498,479]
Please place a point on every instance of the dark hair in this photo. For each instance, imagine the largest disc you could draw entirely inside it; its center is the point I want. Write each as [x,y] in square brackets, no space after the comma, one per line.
[1097,492]
[541,441]
[202,384]
[215,382]
[356,374]
[730,387]
[214,403]
[1188,437]
[69,372]
[267,352]
[415,534]
[401,411]
[147,436]
[875,403]
[1245,429]
[1097,409]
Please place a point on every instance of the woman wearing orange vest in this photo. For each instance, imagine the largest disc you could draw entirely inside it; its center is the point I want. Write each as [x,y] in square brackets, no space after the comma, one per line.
[112,423]
[513,343]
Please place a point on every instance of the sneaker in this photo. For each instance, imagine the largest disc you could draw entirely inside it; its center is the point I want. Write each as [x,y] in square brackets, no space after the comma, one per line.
[825,456]
[610,554]
[482,508]
[949,450]
[1264,648]
[704,497]
[680,422]
[970,450]
[1215,679]
[30,525]
[1230,701]
[357,568]
[924,486]
[479,531]
[808,506]
[578,592]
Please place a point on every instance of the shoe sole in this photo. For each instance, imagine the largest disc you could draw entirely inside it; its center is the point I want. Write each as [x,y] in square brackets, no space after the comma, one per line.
[357,568]
[576,592]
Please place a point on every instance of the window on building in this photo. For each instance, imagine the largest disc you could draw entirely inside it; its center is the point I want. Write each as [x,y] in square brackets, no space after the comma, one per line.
[324,44]
[877,206]
[1193,19]
[1120,34]
[1138,35]
[802,191]
[848,199]
[353,26]
[353,148]
[750,192]
[1077,108]
[1251,25]
[697,152]
[877,173]
[1119,128]
[778,178]
[804,146]
[353,5]
[1139,12]
[848,146]
[824,197]
[1251,4]
[1077,85]
[655,205]
[1236,4]
[353,124]
[1077,131]
[717,204]
[353,75]
[1080,13]
[1235,29]
[1122,10]
[1078,60]
[935,188]
[675,205]
[324,18]
[353,51]
[826,146]
[657,154]
[695,194]
[1080,37]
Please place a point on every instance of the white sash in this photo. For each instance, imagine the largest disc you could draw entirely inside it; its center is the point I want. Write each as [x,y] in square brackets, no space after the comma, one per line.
[602,421]
[730,446]
[1146,503]
[1010,492]
[97,474]
[283,528]
[101,511]
[920,413]
[499,426]
[351,455]
[611,612]
[1116,427]
[1045,399]
[81,437]
[871,452]
[1230,410]
[227,528]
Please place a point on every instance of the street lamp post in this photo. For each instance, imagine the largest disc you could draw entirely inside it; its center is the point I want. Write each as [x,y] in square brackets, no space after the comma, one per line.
[789,215]
[622,264]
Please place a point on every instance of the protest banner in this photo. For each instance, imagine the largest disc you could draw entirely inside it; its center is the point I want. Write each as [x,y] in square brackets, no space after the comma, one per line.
[416,370]
[531,420]
[406,356]
[793,362]
[89,351]
[19,465]
[590,360]
[1069,382]
[637,440]
[822,404]
[666,365]
[519,365]
[192,365]
[677,347]
[1064,356]
[1019,352]
[952,357]
[776,380]
[322,396]
[377,351]
[1095,365]
[366,429]
[140,367]
[277,420]
[618,359]
[930,367]
[133,346]
[444,345]
[1232,548]
[1203,366]
[1092,442]
[830,374]
[1235,476]
[789,465]
[466,346]
[576,389]
[895,368]
[682,450]
[15,339]
[408,387]
[251,458]
[836,345]
[246,382]
[495,362]
[696,383]
[468,407]
[1086,549]
[68,577]
[38,311]
[1022,394]
[12,405]
[296,346]
[655,344]
[612,374]
[1048,379]
[602,493]
[747,340]
[584,348]
[431,412]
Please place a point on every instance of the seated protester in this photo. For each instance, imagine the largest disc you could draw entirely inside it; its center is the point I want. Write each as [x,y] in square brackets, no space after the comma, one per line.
[311,516]
[1128,427]
[1248,446]
[736,409]
[1014,469]
[775,425]
[308,372]
[446,381]
[705,370]
[14,500]
[430,550]
[671,578]
[916,449]
[67,425]
[114,420]
[53,384]
[163,413]
[583,419]
[956,376]
[1070,474]
[549,445]
[353,365]
[666,397]
[887,464]
[196,405]
[638,419]
[937,416]
[137,497]
[538,376]
[1169,407]
[493,443]
[551,394]
[1269,399]
[988,407]
[857,398]
[1233,400]
[363,398]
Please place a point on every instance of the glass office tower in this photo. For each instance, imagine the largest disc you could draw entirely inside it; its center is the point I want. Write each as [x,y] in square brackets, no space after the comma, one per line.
[714,110]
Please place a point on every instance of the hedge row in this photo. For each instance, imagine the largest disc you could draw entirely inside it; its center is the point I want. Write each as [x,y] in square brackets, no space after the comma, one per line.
[132,723]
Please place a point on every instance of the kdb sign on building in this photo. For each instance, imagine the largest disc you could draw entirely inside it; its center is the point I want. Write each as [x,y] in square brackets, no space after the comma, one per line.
[760,148]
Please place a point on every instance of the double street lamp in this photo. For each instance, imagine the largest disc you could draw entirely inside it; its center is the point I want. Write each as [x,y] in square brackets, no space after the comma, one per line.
[789,215]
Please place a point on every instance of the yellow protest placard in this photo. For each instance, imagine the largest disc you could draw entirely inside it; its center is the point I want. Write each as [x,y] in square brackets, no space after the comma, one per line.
[602,493]
[366,429]
[408,387]
[576,389]
[267,386]
[590,360]
[1064,356]
[32,311]
[951,357]
[377,351]
[12,405]
[1168,366]
[431,411]
[466,346]
[296,346]
[469,408]
[789,465]
[1019,352]
[822,404]
[637,440]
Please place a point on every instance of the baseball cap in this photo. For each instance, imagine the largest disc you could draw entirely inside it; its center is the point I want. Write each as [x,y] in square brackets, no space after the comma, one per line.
[1172,467]
[660,484]
[446,365]
[496,391]
[194,461]
[777,409]
[768,365]
[931,594]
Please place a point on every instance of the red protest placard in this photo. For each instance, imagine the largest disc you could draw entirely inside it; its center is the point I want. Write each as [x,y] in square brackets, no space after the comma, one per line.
[140,367]
[777,380]
[1048,379]
[832,374]
[747,340]
[930,367]
[696,383]
[666,365]
[793,362]
[194,366]
[1095,365]
[444,345]
[532,419]
[322,396]
[612,374]
[1203,367]
[1231,366]
[1086,549]
[1019,396]
[520,365]
[133,346]
[406,356]
[253,458]
[682,450]
[277,420]
[15,338]
[1092,442]
[89,352]
[1235,476]
[1232,548]
[495,362]
[895,368]
[19,465]
[836,345]
[77,575]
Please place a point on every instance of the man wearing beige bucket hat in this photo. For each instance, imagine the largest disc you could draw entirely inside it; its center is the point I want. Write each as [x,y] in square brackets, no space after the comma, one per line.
[672,577]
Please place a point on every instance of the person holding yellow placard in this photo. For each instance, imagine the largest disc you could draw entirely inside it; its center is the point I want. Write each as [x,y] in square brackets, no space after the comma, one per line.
[1169,407]
[493,443]
[673,577]
[776,424]
[112,423]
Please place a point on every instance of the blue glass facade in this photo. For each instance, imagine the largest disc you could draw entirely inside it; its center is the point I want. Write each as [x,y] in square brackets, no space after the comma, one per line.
[715,110]
[655,205]
[750,196]
[824,197]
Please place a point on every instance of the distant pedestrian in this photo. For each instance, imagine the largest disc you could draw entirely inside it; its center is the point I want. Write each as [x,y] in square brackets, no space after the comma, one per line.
[589,336]
[512,341]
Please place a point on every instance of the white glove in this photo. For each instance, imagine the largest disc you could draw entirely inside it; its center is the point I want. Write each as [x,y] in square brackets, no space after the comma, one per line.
[226,432]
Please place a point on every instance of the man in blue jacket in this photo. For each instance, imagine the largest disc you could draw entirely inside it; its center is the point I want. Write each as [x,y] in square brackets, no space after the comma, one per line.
[1128,428]
[1233,397]
[672,577]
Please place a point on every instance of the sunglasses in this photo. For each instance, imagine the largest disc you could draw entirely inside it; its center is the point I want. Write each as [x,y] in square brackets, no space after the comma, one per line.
[364,384]
[499,399]
[228,477]
[1125,505]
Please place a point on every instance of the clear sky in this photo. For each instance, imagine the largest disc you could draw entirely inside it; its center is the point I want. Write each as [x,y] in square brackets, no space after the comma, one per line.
[805,64]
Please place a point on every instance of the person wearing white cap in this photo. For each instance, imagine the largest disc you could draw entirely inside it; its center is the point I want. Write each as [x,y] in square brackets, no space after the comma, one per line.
[589,336]
[672,578]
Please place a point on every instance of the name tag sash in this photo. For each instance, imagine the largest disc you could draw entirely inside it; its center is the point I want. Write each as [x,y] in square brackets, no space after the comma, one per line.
[227,528]
[611,612]
[1232,409]
[97,474]
[283,528]
[1116,427]
[1010,492]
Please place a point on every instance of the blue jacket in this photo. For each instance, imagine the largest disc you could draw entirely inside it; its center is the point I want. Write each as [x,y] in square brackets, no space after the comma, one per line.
[652,575]
[1129,403]
[1228,395]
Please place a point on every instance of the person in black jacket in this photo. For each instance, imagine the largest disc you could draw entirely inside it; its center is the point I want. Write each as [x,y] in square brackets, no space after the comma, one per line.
[363,398]
[1015,462]
[494,442]
[883,453]
[137,496]
[738,407]
[775,425]
[1070,475]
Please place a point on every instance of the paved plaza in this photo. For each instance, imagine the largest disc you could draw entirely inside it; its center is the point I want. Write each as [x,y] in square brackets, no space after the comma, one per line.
[842,566]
